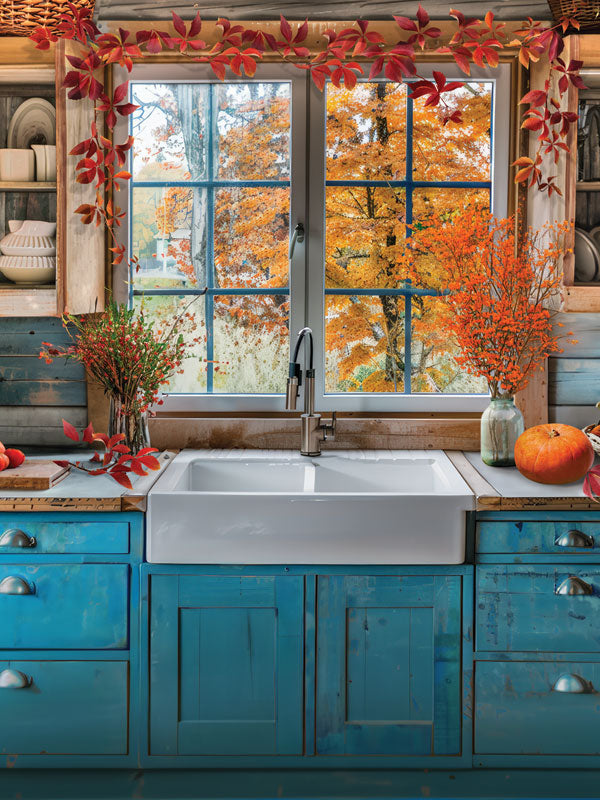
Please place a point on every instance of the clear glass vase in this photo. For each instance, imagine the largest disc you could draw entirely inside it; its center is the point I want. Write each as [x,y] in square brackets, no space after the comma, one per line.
[501,425]
[133,424]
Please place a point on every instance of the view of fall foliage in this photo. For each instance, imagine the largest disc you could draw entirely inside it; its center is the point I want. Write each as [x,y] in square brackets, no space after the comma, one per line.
[210,196]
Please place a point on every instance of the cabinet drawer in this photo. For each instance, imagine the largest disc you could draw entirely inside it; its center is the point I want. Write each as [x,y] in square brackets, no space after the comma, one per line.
[26,535]
[66,606]
[63,707]
[557,538]
[518,710]
[531,608]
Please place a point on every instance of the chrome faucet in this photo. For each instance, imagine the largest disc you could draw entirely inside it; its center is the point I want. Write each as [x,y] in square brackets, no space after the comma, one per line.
[313,431]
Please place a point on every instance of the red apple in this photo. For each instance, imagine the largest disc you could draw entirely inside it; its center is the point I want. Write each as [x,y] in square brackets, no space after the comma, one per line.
[2,448]
[15,457]
[4,462]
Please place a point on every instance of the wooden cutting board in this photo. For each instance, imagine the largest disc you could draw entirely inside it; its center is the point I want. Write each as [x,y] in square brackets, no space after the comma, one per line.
[37,475]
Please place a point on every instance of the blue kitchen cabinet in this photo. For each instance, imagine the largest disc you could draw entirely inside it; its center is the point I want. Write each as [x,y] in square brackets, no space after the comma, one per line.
[69,638]
[226,665]
[389,665]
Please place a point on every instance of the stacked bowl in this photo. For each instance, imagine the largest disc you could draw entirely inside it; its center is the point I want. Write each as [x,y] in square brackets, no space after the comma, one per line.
[29,252]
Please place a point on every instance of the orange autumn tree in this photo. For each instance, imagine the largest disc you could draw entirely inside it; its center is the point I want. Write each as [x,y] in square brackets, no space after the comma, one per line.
[367,226]
[499,293]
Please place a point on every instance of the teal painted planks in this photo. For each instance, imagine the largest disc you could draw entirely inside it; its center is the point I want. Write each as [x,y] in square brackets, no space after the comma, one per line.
[75,707]
[517,711]
[32,368]
[43,393]
[70,606]
[585,328]
[27,382]
[574,381]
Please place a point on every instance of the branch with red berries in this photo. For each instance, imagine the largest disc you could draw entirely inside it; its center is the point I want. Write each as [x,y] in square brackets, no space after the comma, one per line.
[117,461]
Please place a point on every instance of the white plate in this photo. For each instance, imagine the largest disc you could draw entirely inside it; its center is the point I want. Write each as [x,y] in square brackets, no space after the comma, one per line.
[595,235]
[587,257]
[34,122]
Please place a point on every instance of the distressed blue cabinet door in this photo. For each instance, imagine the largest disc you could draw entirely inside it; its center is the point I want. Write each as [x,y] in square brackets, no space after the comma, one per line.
[226,671]
[388,665]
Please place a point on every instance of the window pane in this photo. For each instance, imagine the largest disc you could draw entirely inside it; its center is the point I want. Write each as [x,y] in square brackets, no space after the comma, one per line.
[454,152]
[252,139]
[440,200]
[251,237]
[168,230]
[433,368]
[366,132]
[251,351]
[364,339]
[364,225]
[192,375]
[170,131]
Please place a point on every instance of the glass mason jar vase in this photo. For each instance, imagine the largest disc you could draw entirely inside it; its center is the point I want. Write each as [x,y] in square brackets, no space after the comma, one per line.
[501,425]
[133,424]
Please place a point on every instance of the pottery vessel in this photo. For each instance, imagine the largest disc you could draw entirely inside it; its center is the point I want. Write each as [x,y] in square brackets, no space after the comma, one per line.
[28,270]
[17,165]
[29,238]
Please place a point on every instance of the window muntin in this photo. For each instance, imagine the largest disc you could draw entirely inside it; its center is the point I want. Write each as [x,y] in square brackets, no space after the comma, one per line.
[307,168]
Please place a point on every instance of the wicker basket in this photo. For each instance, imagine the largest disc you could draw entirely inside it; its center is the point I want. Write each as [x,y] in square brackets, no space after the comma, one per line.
[22,17]
[595,440]
[586,12]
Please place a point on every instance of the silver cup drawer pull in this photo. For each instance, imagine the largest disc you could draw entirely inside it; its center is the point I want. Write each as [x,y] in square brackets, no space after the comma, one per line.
[574,538]
[574,586]
[15,537]
[571,683]
[14,679]
[13,584]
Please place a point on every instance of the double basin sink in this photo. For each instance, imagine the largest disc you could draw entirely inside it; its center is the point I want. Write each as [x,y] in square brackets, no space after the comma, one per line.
[278,507]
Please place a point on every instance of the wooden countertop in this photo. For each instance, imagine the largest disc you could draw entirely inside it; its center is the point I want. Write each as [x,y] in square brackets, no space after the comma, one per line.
[81,492]
[505,489]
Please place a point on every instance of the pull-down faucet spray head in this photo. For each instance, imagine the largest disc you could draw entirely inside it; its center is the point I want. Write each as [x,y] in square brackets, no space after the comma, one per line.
[294,380]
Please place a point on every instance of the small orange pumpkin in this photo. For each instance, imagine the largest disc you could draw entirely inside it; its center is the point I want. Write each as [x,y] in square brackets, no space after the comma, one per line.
[553,453]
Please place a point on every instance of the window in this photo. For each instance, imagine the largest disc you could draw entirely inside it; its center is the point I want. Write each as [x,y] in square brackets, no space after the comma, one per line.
[221,175]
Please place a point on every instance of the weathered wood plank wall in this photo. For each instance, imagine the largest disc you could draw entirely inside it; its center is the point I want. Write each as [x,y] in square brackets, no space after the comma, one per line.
[574,375]
[313,9]
[35,396]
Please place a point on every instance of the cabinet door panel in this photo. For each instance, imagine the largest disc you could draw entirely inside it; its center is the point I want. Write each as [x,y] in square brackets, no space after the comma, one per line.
[231,661]
[388,665]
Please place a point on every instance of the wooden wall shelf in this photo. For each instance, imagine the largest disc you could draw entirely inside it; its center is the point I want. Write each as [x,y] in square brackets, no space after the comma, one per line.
[587,186]
[27,186]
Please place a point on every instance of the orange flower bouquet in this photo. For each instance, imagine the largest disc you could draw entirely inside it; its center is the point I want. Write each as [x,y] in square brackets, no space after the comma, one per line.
[500,294]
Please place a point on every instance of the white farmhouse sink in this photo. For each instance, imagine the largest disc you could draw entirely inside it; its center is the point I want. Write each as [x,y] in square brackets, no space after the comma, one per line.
[278,507]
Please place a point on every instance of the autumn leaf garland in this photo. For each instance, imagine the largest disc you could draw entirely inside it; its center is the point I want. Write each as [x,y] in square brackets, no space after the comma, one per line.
[474,41]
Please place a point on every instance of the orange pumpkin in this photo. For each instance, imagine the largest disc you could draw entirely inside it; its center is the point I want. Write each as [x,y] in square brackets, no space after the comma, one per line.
[553,454]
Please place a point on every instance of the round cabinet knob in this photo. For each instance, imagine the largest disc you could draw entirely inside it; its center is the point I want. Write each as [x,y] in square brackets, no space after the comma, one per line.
[573,586]
[570,683]
[13,584]
[14,537]
[574,538]
[14,679]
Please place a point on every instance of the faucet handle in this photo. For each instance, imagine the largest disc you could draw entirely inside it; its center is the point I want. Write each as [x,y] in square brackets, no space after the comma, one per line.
[329,427]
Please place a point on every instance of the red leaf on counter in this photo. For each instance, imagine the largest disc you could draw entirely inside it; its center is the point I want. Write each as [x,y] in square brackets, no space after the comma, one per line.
[70,431]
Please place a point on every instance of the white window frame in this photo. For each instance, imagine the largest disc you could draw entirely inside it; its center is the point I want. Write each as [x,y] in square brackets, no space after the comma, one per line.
[307,274]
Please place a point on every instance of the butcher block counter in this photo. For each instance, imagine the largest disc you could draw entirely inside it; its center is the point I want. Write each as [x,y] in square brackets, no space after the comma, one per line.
[505,489]
[81,492]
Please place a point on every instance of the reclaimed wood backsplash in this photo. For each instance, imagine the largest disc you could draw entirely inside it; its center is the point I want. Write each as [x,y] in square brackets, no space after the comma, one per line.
[574,375]
[35,396]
